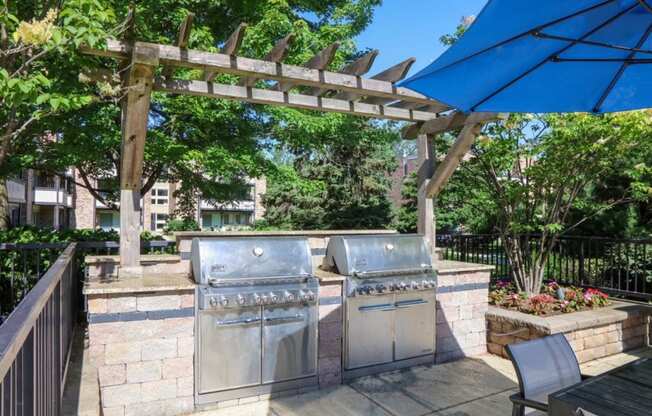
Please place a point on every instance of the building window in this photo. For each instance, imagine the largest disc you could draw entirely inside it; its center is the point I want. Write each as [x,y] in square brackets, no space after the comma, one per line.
[159,196]
[226,219]
[159,221]
[109,220]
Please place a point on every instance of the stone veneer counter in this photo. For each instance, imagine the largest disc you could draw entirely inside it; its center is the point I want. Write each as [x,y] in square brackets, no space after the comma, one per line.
[592,333]
[141,340]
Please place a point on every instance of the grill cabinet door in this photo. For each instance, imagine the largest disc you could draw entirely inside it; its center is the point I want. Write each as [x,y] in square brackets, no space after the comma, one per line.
[289,342]
[370,331]
[415,324]
[229,349]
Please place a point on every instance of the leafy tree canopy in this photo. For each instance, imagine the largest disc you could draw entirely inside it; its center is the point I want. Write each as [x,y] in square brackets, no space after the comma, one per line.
[209,145]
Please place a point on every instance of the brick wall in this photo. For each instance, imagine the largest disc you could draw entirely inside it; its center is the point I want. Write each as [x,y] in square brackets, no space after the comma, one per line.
[461,307]
[84,206]
[330,334]
[260,189]
[143,346]
[610,331]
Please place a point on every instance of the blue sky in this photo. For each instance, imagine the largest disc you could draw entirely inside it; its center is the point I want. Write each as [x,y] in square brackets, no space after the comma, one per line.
[405,28]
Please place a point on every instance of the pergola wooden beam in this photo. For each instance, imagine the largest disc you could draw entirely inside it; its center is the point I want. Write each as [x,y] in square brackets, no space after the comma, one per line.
[230,48]
[277,54]
[189,58]
[472,126]
[393,75]
[182,40]
[436,125]
[287,99]
[357,68]
[319,62]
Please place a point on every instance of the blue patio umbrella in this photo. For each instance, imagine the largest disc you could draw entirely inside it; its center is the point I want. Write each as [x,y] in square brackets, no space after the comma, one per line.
[547,56]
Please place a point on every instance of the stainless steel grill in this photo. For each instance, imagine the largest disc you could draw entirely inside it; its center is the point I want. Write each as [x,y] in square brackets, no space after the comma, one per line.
[257,316]
[389,302]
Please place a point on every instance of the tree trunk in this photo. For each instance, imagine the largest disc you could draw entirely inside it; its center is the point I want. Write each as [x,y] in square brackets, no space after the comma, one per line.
[4,205]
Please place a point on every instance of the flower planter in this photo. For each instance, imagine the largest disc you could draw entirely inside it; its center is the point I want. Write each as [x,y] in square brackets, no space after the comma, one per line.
[593,333]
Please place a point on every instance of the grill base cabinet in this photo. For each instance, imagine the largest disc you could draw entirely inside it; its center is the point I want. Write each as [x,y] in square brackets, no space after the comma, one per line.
[256,331]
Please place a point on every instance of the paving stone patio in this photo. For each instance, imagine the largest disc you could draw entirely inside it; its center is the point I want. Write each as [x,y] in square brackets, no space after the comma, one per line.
[479,386]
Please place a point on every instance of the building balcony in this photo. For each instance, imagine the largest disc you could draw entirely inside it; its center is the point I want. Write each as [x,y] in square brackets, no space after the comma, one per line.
[243,205]
[50,196]
[16,191]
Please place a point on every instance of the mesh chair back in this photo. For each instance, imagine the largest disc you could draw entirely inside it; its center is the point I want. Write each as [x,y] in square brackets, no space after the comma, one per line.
[543,366]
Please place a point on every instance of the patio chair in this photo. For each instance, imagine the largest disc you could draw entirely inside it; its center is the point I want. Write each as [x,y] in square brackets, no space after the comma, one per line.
[543,366]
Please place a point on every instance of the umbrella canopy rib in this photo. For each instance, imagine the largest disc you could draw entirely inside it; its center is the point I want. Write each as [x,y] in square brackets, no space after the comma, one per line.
[554,55]
[520,35]
[621,70]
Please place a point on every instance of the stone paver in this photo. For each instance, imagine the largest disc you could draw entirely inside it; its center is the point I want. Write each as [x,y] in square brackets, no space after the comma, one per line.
[479,386]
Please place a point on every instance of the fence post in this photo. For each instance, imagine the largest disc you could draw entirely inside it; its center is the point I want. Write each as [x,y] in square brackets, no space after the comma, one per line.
[581,265]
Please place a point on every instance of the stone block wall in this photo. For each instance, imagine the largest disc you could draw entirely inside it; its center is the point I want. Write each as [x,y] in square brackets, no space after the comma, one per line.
[142,345]
[462,295]
[330,334]
[592,334]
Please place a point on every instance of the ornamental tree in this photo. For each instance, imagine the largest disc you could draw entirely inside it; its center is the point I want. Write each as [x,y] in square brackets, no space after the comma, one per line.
[39,64]
[538,170]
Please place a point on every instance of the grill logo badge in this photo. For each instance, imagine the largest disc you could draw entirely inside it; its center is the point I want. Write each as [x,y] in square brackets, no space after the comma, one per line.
[360,262]
[218,268]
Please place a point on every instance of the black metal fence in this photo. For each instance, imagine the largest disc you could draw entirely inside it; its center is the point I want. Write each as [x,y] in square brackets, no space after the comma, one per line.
[618,266]
[35,342]
[22,265]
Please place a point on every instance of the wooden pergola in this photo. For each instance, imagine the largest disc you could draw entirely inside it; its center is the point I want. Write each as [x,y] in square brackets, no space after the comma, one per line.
[346,91]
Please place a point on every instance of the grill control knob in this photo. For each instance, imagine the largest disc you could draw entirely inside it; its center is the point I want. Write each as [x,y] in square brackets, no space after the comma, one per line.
[391,287]
[415,285]
[257,299]
[224,301]
[212,301]
[241,300]
[311,295]
[380,288]
[273,297]
[425,284]
[402,286]
[264,299]
[360,290]
[288,296]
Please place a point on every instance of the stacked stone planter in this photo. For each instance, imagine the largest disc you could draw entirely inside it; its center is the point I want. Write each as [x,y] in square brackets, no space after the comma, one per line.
[593,334]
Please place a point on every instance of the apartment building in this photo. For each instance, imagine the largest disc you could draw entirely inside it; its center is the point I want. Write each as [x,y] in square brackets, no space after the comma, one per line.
[42,200]
[54,201]
[159,205]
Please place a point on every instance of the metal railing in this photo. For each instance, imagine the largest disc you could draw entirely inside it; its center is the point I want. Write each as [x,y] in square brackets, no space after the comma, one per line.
[22,265]
[35,342]
[618,266]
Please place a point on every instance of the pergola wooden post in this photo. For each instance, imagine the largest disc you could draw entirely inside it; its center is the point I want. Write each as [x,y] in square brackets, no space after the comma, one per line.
[139,80]
[425,205]
[311,87]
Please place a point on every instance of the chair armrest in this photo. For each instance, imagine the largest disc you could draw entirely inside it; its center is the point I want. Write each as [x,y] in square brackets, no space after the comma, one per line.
[518,399]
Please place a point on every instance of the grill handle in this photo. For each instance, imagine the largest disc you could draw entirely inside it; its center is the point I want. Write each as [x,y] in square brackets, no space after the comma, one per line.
[377,308]
[231,322]
[398,272]
[286,319]
[410,303]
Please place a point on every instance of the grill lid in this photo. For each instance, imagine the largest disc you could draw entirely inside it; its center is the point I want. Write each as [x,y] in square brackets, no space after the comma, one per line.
[232,258]
[368,256]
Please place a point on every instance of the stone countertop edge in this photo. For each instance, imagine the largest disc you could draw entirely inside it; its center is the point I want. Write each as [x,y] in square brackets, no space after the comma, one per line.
[617,312]
[145,258]
[441,267]
[449,266]
[152,283]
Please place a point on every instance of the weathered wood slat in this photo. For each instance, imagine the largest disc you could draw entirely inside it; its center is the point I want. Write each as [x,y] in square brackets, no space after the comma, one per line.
[319,62]
[392,75]
[182,40]
[171,55]
[458,150]
[230,48]
[358,68]
[272,97]
[277,54]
